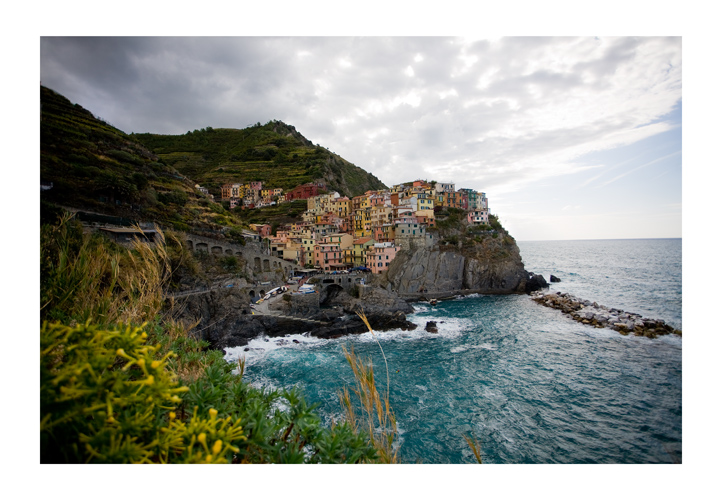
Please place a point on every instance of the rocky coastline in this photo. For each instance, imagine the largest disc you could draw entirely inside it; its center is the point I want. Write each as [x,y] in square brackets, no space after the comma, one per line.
[225,318]
[599,316]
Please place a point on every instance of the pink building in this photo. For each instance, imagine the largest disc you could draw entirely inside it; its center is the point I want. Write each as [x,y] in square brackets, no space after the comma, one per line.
[263,230]
[329,257]
[478,217]
[380,256]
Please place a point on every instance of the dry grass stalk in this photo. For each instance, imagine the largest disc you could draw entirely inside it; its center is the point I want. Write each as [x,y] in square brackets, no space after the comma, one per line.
[88,279]
[475,447]
[377,416]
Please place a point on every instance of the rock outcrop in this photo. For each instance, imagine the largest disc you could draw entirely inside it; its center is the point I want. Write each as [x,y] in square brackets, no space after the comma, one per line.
[488,265]
[224,318]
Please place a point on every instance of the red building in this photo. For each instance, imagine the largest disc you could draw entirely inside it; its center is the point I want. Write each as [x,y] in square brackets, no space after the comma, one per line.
[302,192]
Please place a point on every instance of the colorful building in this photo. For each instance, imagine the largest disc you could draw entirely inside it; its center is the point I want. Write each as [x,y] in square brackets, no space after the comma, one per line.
[380,255]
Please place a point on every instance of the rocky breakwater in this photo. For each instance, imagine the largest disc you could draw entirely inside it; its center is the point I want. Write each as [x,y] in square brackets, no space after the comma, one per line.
[591,313]
[463,261]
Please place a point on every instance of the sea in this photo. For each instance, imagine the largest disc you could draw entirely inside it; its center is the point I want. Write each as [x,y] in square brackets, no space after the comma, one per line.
[529,384]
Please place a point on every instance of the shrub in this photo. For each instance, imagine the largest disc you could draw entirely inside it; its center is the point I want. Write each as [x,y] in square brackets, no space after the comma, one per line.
[87,277]
[107,397]
[176,196]
[229,263]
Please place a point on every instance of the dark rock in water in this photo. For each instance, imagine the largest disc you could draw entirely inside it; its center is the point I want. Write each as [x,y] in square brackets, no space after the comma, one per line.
[554,279]
[296,341]
[431,327]
[535,282]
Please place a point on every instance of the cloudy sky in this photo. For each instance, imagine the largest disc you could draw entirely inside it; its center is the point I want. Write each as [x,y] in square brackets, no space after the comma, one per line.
[570,138]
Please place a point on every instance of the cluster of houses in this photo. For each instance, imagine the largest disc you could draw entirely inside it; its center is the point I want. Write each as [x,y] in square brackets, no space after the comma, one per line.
[366,231]
[254,195]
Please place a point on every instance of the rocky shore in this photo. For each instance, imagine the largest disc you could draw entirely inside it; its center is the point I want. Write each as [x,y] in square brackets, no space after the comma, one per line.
[591,313]
[224,318]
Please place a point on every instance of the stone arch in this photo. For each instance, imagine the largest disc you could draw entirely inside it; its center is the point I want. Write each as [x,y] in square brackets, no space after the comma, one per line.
[252,294]
[202,247]
[216,250]
[239,254]
[257,264]
[330,292]
[189,243]
[266,265]
[229,251]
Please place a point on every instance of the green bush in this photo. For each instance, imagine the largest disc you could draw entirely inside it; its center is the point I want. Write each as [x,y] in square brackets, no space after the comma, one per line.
[112,392]
[176,196]
[107,397]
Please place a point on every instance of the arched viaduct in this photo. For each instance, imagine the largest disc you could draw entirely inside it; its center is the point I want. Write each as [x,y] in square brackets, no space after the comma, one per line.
[252,253]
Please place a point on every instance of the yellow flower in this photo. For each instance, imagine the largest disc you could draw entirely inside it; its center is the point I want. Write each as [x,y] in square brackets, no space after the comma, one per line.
[171,415]
[202,438]
[217,447]
[155,364]
[213,412]
[150,380]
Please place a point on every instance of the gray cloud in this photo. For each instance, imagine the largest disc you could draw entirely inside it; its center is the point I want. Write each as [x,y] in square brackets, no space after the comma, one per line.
[488,113]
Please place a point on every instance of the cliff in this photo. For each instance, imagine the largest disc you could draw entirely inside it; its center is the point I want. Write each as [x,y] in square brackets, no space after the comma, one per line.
[224,318]
[463,260]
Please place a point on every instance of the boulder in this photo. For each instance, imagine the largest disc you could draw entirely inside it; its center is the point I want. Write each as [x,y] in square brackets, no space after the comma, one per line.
[554,279]
[431,327]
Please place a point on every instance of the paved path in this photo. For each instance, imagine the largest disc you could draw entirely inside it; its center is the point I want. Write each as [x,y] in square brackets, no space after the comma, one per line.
[261,309]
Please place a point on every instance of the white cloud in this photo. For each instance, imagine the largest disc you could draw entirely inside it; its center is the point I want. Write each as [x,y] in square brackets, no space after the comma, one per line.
[499,115]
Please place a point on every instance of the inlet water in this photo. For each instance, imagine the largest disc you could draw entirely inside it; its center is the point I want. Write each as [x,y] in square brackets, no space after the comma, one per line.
[531,385]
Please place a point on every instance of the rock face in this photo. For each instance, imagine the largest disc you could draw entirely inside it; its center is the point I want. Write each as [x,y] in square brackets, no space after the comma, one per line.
[493,265]
[224,317]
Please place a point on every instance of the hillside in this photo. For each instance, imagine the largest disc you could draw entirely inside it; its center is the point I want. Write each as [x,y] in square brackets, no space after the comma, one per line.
[95,167]
[274,153]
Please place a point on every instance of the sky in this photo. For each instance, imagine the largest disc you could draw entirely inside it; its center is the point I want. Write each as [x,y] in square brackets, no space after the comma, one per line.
[569,137]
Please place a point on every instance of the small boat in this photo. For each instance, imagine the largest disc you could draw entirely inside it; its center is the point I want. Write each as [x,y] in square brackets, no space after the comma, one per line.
[433,302]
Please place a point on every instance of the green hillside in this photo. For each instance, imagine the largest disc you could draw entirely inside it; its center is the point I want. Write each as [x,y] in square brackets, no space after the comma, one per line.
[97,168]
[149,177]
[274,153]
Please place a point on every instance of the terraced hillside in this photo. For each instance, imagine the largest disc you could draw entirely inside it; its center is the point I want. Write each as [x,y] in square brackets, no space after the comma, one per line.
[95,167]
[274,153]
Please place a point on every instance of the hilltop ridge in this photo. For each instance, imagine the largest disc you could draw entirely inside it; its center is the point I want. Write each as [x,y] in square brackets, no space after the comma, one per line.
[87,164]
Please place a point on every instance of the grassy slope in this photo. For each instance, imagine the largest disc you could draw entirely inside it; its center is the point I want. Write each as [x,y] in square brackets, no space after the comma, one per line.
[274,153]
[149,177]
[94,166]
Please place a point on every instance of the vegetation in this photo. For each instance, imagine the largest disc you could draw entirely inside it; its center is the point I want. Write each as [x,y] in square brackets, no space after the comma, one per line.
[274,153]
[97,168]
[120,383]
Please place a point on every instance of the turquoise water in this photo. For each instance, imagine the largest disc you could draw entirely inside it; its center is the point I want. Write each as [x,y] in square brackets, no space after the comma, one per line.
[530,384]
